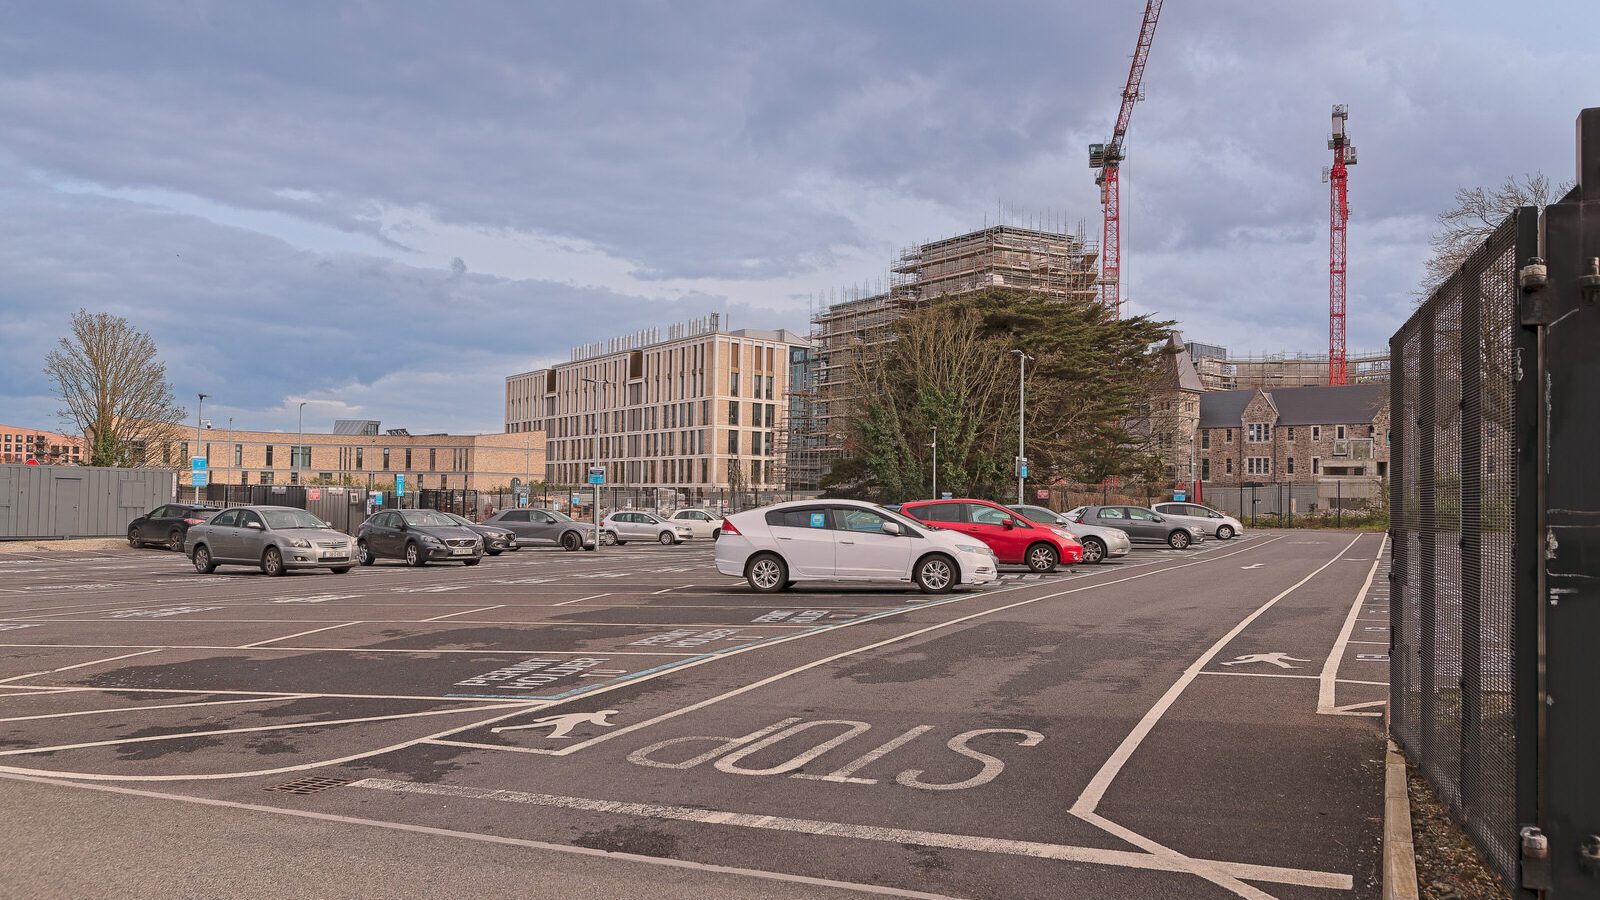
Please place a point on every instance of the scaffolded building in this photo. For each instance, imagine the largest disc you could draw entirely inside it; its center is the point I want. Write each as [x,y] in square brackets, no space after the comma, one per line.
[1221,372]
[1049,263]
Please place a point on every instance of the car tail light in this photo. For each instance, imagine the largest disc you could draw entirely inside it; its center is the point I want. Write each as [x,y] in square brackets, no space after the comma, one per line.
[729,528]
[194,521]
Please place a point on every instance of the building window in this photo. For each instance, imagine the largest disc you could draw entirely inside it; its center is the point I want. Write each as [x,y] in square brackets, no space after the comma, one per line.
[433,460]
[266,477]
[1260,432]
[733,383]
[1205,469]
[269,460]
[325,476]
[386,459]
[733,412]
[294,476]
[1288,465]
[1228,439]
[1258,465]
[1205,439]
[1338,432]
[1316,466]
[1291,433]
[1229,467]
[358,458]
[733,443]
[408,458]
[238,455]
[1316,432]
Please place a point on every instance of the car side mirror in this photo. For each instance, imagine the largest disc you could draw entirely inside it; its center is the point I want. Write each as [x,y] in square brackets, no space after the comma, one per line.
[402,526]
[255,525]
[891,527]
[1008,523]
[1159,519]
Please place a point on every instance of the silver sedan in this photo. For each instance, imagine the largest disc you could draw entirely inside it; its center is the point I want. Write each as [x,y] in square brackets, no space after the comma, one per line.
[276,538]
[1099,543]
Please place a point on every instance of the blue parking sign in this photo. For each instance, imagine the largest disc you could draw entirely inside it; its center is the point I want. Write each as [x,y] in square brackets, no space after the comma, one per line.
[399,485]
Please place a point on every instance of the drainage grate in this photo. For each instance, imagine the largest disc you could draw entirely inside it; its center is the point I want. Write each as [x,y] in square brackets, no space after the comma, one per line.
[310,785]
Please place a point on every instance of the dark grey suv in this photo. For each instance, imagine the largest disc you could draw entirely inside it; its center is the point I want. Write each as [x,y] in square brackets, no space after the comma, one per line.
[418,536]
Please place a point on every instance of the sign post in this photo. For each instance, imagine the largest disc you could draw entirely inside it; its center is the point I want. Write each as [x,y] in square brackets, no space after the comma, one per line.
[399,489]
[597,477]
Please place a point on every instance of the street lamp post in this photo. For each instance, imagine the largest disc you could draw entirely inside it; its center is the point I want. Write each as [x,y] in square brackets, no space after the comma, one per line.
[599,426]
[1022,412]
[299,447]
[198,410]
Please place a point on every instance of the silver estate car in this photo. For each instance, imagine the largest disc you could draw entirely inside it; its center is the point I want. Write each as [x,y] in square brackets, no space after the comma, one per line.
[1100,542]
[1219,525]
[276,538]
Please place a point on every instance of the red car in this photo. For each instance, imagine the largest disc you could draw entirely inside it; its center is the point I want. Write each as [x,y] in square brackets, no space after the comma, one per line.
[1014,540]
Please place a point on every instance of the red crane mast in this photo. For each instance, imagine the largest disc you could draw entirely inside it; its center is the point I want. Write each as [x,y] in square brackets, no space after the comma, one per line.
[1107,158]
[1337,178]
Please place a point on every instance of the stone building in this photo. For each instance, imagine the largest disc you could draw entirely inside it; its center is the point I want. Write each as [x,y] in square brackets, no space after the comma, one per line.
[1298,435]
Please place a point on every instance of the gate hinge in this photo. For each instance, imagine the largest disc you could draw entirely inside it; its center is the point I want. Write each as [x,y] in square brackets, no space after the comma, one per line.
[1535,859]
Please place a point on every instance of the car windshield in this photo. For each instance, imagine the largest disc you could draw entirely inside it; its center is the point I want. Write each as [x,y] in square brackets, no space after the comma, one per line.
[652,518]
[560,517]
[459,520]
[911,525]
[278,519]
[426,517]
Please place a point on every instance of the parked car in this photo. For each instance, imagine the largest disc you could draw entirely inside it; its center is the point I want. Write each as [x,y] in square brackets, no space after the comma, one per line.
[847,540]
[1014,540]
[276,538]
[168,525]
[638,525]
[1217,524]
[1144,526]
[418,536]
[1099,543]
[701,524]
[496,540]
[544,526]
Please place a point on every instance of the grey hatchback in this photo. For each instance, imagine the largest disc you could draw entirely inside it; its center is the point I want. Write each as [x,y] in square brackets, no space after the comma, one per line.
[1144,526]
[276,538]
[417,536]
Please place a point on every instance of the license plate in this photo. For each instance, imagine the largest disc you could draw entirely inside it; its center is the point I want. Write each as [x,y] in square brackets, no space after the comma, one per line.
[461,551]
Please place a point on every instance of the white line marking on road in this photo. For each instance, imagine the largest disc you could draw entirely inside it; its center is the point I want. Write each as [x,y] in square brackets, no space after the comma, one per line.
[579,600]
[496,839]
[1034,849]
[295,635]
[285,726]
[1095,791]
[480,651]
[464,612]
[92,662]
[1326,696]
[118,709]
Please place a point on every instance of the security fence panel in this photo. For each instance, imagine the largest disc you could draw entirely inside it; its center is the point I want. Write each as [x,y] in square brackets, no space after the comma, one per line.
[1495,529]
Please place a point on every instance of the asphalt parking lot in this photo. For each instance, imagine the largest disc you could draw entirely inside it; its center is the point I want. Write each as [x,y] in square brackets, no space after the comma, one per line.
[1178,724]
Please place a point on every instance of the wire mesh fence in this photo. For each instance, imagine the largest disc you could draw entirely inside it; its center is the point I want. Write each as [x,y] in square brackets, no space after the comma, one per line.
[1453,501]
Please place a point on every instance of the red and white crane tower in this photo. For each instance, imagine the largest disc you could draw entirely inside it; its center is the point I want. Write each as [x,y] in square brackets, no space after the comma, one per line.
[1108,157]
[1337,177]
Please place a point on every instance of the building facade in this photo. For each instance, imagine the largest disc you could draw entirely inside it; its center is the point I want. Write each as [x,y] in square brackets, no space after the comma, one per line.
[363,456]
[47,448]
[1299,435]
[701,411]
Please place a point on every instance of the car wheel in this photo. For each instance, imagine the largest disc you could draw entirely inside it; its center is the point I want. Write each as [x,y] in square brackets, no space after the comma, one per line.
[514,546]
[272,562]
[340,571]
[1224,532]
[1093,550]
[471,562]
[766,573]
[609,538]
[936,574]
[202,560]
[414,557]
[175,541]
[716,533]
[570,540]
[134,540]
[364,553]
[667,539]
[1178,540]
[1042,558]
[492,552]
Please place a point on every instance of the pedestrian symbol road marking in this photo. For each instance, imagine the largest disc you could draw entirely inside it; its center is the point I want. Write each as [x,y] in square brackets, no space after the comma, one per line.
[1281,660]
[561,726]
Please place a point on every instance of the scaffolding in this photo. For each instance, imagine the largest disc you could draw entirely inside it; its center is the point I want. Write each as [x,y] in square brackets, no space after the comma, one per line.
[1220,372]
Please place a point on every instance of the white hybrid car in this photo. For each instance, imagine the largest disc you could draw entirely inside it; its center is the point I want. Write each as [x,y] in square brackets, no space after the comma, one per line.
[846,540]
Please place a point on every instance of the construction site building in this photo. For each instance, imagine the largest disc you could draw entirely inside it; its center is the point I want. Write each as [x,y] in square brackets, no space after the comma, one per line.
[1058,264]
[1220,372]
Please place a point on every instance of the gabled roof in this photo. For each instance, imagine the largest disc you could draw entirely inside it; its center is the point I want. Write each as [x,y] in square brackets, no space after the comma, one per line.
[1320,405]
[1187,377]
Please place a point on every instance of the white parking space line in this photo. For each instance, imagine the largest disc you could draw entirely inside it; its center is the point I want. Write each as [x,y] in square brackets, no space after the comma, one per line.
[1034,849]
[94,662]
[123,709]
[480,651]
[464,612]
[1327,695]
[295,635]
[579,600]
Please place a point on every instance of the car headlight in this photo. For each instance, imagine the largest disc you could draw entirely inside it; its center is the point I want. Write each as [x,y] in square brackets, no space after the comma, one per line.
[1062,532]
[301,543]
[974,548]
[432,541]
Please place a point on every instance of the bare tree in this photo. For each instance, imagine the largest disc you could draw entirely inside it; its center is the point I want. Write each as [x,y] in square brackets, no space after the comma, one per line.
[114,390]
[1477,213]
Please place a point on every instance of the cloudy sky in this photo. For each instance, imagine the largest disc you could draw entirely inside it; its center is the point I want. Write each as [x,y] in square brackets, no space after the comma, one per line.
[384,208]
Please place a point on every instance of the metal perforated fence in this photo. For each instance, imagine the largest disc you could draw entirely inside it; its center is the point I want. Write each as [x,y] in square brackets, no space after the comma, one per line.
[1453,505]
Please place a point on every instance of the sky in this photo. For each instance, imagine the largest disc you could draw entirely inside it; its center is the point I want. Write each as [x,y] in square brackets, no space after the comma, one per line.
[384,208]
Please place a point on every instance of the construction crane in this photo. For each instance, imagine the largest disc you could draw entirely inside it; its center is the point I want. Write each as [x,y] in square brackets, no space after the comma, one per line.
[1337,177]
[1108,157]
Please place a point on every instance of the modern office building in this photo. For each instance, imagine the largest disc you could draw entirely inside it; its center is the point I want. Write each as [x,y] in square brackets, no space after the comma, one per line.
[698,412]
[361,453]
[47,448]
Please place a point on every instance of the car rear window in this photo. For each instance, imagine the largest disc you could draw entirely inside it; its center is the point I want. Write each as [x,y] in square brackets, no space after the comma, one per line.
[805,517]
[938,512]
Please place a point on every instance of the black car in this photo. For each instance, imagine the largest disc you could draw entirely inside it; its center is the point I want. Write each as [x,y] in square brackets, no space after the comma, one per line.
[168,525]
[418,536]
[495,540]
